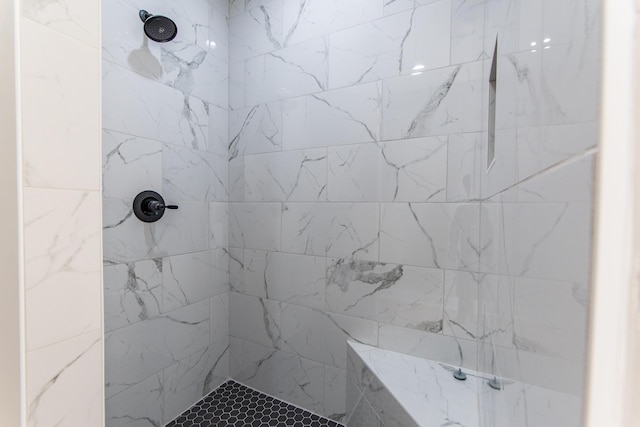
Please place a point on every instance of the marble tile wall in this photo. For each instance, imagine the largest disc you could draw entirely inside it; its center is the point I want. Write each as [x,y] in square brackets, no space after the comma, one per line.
[361,206]
[166,299]
[59,90]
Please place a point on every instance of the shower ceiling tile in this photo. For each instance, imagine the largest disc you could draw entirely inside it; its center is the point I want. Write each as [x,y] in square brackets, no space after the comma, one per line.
[335,229]
[436,102]
[354,115]
[437,235]
[287,73]
[388,293]
[130,165]
[299,176]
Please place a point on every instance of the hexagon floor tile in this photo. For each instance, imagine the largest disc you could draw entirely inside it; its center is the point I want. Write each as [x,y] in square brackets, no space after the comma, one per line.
[235,405]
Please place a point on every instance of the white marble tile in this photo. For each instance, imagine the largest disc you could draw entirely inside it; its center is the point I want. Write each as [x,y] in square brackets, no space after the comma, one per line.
[354,114]
[193,175]
[292,278]
[427,345]
[564,22]
[467,31]
[335,387]
[503,172]
[335,229]
[258,30]
[75,18]
[363,415]
[286,73]
[543,240]
[388,293]
[409,170]
[193,277]
[236,270]
[236,7]
[54,374]
[571,182]
[236,357]
[299,175]
[62,266]
[438,235]
[256,129]
[322,336]
[292,378]
[218,130]
[219,225]
[236,85]
[496,311]
[255,319]
[219,30]
[518,92]
[255,225]
[304,20]
[132,293]
[139,405]
[127,239]
[435,102]
[464,166]
[520,25]
[130,165]
[189,380]
[236,179]
[395,6]
[153,345]
[138,106]
[219,317]
[57,70]
[461,304]
[388,47]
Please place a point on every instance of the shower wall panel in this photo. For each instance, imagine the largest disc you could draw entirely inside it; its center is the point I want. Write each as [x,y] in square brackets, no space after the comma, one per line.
[362,207]
[165,118]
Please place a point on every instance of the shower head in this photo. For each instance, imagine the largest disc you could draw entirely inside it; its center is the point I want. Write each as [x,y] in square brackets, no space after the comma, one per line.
[158,28]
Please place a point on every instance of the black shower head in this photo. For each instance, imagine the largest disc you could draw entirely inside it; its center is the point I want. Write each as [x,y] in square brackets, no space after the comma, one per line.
[158,28]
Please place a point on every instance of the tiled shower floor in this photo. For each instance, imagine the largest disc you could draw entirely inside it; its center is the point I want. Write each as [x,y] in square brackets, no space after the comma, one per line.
[235,405]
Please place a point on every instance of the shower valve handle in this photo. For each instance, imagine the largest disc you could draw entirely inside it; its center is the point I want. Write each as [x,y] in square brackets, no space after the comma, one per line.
[149,206]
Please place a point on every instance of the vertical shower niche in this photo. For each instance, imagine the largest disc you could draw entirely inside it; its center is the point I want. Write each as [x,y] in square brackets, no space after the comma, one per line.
[409,175]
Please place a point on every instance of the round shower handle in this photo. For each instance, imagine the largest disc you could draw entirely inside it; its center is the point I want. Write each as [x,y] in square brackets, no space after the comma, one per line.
[149,206]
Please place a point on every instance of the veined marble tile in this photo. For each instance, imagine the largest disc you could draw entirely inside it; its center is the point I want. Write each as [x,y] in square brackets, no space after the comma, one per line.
[219,225]
[409,170]
[464,166]
[236,7]
[461,304]
[518,102]
[57,70]
[335,385]
[306,19]
[398,44]
[193,175]
[236,179]
[520,25]
[564,22]
[467,31]
[219,317]
[193,277]
[322,336]
[354,114]
[335,229]
[395,6]
[543,240]
[388,293]
[138,106]
[255,225]
[572,182]
[256,129]
[219,30]
[496,315]
[236,357]
[569,74]
[130,165]
[142,404]
[437,235]
[255,319]
[62,267]
[291,278]
[363,414]
[53,375]
[258,30]
[132,293]
[135,352]
[189,380]
[75,18]
[286,73]
[236,85]
[428,345]
[126,238]
[299,175]
[218,136]
[435,102]
[540,148]
[236,270]
[504,170]
[295,379]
